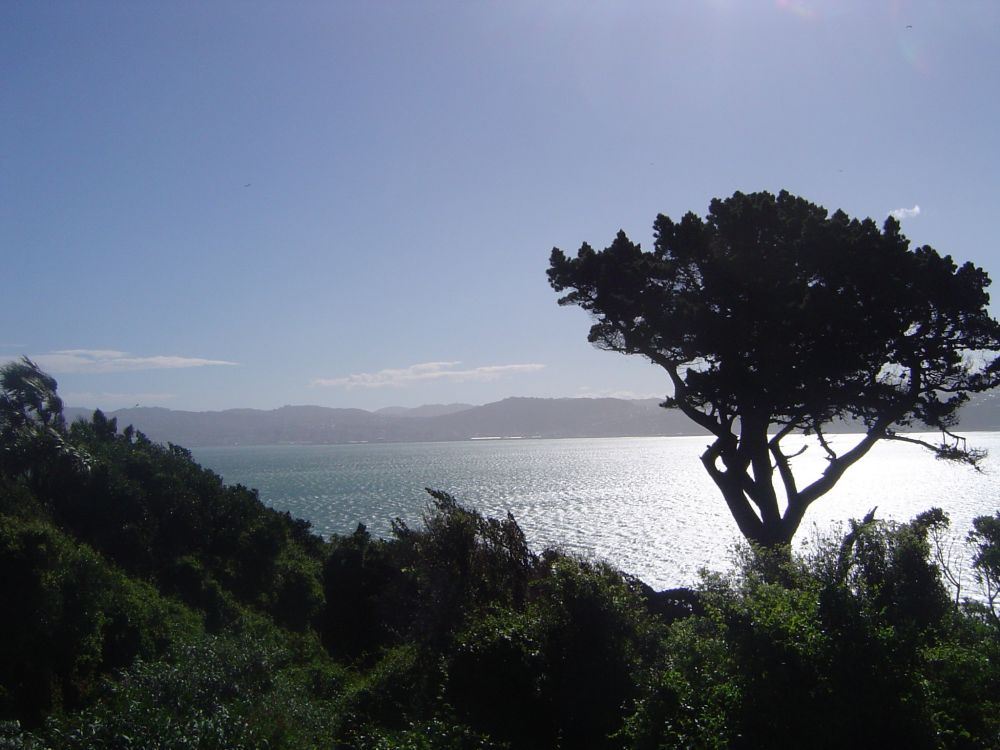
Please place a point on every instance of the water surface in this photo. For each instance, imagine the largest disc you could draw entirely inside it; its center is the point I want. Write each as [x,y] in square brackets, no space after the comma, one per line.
[644,504]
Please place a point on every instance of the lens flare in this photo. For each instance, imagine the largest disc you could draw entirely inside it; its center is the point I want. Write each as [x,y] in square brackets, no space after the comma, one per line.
[800,8]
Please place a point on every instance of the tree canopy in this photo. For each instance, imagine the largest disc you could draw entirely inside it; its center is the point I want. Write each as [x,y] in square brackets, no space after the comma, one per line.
[772,317]
[32,426]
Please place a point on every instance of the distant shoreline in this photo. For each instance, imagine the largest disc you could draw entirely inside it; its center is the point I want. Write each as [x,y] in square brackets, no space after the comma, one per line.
[510,419]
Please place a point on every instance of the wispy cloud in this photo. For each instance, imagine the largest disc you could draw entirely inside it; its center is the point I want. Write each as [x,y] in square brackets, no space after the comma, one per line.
[905,213]
[109,360]
[425,371]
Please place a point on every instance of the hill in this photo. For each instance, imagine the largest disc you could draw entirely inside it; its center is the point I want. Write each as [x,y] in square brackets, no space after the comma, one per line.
[509,418]
[427,410]
[512,417]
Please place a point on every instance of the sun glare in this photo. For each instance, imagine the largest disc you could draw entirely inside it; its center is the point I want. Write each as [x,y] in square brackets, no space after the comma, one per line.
[800,8]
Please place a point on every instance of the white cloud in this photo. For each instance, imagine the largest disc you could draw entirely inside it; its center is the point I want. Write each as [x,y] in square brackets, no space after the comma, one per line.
[905,213]
[109,360]
[425,371]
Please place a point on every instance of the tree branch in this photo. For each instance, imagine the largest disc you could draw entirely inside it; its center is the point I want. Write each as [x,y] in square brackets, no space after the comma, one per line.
[945,452]
[785,470]
[830,452]
[834,471]
[713,425]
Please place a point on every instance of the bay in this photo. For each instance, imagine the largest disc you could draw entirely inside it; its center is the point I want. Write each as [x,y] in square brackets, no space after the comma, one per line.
[644,504]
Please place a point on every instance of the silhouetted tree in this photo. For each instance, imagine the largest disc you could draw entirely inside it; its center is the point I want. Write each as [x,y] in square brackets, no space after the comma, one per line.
[771,318]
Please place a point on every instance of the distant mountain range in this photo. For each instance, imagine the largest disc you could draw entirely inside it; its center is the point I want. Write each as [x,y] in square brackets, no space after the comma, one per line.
[428,410]
[510,418]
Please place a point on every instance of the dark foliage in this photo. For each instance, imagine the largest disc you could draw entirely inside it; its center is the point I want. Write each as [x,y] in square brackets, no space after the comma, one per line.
[70,619]
[244,690]
[103,535]
[424,583]
[985,538]
[566,664]
[33,444]
[149,606]
[156,513]
[771,317]
[858,645]
[472,626]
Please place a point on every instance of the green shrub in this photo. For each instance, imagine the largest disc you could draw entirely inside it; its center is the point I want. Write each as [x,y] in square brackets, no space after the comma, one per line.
[565,665]
[400,689]
[241,690]
[857,643]
[160,516]
[69,619]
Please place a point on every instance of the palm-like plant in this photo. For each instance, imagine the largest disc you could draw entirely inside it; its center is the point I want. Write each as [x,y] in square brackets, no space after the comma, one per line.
[32,425]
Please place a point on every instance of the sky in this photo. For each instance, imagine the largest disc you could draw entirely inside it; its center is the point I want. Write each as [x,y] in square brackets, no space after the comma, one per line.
[250,204]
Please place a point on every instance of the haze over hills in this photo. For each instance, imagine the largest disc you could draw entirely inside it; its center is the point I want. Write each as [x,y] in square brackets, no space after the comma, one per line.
[427,410]
[512,417]
[509,418]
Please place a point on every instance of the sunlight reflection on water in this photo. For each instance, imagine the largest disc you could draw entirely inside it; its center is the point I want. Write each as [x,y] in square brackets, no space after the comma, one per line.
[644,504]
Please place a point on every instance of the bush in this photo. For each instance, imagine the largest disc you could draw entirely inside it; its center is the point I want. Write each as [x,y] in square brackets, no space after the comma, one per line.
[858,641]
[160,516]
[70,619]
[423,584]
[565,664]
[242,690]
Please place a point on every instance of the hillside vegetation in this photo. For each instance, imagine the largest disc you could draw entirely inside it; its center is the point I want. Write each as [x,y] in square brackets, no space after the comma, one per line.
[148,605]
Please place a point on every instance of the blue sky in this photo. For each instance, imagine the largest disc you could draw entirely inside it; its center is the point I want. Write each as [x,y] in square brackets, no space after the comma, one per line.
[215,205]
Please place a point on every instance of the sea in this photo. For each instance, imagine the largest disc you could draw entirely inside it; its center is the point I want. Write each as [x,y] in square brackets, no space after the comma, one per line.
[645,505]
